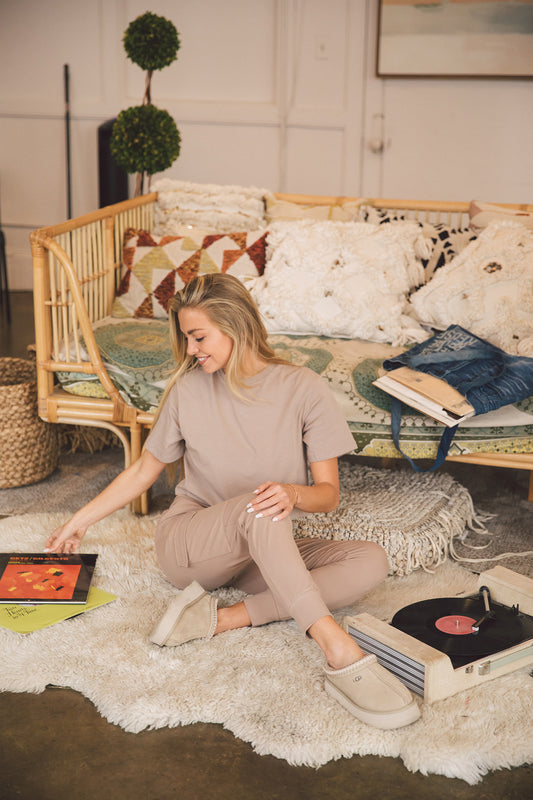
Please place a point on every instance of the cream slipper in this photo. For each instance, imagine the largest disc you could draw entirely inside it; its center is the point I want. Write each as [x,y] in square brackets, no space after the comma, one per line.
[191,615]
[372,694]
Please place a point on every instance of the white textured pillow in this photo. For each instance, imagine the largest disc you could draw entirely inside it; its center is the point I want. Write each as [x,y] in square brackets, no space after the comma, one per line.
[487,289]
[205,205]
[346,279]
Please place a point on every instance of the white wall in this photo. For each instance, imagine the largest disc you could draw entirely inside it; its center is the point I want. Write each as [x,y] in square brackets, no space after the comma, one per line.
[275,93]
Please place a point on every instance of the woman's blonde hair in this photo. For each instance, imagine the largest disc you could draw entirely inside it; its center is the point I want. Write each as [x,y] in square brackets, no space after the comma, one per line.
[231,308]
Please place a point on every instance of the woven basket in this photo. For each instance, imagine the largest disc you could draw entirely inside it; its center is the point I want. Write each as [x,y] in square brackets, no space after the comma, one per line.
[29,448]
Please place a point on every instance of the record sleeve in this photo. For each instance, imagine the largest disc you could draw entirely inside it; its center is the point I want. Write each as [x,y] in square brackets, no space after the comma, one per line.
[428,394]
[37,578]
[28,618]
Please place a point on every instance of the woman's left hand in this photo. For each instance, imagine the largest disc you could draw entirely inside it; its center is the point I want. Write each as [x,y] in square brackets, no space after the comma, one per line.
[274,500]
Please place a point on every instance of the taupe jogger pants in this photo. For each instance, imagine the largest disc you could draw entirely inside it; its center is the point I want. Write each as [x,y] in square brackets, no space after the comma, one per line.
[224,545]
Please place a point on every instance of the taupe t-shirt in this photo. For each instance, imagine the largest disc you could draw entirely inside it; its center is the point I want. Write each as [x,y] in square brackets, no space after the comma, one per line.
[231,446]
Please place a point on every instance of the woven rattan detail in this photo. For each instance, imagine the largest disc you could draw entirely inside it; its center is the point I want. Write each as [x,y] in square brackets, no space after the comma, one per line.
[28,446]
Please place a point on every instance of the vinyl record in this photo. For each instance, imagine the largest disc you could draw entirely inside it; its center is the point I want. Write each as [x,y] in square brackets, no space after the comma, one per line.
[443,623]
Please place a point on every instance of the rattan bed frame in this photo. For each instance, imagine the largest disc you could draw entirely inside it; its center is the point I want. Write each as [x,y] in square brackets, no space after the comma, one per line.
[76,268]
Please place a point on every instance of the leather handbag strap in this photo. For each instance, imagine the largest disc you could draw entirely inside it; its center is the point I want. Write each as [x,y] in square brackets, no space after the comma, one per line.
[444,444]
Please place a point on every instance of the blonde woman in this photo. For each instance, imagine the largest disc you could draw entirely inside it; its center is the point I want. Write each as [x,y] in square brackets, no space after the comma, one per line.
[248,425]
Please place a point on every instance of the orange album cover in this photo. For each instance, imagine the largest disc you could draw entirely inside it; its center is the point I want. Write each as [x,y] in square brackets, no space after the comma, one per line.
[43,578]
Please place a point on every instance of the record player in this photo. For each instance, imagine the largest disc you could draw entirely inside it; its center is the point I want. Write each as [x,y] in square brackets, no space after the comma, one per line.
[443,646]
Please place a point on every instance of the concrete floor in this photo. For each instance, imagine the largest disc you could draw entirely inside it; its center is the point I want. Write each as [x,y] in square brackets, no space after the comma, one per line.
[55,745]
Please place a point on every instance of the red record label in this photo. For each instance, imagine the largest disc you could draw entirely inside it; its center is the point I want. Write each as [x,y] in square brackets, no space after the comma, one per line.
[455,624]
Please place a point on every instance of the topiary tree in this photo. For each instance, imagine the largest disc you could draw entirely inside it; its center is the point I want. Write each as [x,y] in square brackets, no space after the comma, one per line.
[145,139]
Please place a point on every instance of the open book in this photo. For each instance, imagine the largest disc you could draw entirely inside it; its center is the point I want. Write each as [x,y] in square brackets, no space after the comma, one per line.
[430,395]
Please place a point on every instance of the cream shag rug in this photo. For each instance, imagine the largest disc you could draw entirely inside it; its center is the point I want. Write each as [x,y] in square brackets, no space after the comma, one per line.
[263,684]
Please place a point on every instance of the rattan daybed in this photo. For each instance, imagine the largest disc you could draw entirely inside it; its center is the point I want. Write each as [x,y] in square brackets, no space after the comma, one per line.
[77,267]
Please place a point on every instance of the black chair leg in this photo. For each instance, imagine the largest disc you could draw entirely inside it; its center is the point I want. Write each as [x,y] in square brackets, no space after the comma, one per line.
[4,288]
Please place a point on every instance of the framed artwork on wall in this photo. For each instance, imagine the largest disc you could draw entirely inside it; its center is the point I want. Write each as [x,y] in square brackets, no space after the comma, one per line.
[455,38]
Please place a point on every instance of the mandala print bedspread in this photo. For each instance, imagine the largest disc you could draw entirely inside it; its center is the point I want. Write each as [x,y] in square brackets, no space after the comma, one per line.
[139,360]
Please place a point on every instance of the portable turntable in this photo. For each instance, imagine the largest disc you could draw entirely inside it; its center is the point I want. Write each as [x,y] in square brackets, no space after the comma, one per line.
[443,646]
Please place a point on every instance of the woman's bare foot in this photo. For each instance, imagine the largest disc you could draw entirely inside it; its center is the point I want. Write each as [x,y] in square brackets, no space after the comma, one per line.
[337,645]
[232,617]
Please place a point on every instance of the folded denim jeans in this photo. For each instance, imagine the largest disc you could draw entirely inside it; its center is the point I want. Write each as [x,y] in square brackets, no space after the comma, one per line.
[486,375]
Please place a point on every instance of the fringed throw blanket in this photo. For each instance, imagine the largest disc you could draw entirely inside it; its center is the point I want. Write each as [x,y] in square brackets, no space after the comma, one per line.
[415,517]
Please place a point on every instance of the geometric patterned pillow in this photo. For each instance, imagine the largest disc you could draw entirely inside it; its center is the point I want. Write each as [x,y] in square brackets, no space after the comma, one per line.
[447,242]
[380,216]
[154,268]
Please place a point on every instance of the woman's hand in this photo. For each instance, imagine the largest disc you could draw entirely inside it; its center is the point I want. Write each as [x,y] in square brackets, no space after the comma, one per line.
[128,485]
[277,500]
[65,539]
[274,500]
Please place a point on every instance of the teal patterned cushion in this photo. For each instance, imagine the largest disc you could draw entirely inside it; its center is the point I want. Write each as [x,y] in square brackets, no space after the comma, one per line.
[138,358]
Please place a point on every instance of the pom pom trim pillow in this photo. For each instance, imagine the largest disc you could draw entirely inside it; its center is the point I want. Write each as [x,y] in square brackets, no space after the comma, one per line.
[156,267]
[447,242]
[341,279]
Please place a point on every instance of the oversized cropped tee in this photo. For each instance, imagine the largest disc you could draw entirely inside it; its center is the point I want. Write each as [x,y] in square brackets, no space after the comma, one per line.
[230,445]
